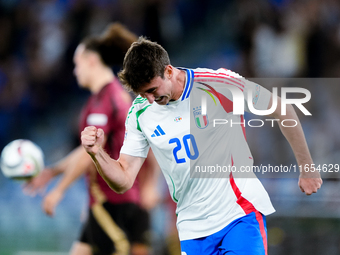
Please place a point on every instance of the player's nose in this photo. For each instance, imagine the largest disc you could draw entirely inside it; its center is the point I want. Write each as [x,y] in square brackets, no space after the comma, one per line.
[150,97]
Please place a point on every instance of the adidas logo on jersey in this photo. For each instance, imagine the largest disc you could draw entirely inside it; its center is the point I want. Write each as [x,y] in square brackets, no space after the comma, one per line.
[158,132]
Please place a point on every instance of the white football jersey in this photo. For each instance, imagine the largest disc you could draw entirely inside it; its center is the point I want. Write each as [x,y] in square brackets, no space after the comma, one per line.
[199,143]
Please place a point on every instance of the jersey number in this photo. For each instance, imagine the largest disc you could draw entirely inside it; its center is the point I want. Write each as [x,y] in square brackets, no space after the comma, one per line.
[178,147]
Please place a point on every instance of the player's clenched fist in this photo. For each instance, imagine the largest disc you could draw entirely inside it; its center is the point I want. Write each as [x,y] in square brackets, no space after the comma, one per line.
[92,139]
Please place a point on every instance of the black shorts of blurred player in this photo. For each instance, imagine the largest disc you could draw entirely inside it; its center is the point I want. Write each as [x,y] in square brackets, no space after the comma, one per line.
[117,228]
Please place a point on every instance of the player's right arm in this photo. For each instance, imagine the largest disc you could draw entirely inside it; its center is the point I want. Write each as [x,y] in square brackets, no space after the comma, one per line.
[119,174]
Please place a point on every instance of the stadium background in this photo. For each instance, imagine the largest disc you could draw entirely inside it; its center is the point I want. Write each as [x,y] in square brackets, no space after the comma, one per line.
[40,100]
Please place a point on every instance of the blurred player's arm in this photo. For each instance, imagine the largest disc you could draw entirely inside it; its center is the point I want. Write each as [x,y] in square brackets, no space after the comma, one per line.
[39,182]
[74,166]
[309,182]
[119,174]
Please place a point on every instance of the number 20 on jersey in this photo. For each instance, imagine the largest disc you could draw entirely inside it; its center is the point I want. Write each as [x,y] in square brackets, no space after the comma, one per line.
[186,140]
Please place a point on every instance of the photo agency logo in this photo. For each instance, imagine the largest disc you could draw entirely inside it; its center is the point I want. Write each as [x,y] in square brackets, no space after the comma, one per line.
[238,105]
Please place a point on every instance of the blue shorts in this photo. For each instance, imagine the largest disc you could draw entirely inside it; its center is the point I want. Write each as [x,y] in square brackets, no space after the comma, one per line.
[244,236]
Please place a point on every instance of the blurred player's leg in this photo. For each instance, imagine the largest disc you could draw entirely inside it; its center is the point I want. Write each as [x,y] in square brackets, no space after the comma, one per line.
[172,240]
[138,229]
[173,245]
[79,248]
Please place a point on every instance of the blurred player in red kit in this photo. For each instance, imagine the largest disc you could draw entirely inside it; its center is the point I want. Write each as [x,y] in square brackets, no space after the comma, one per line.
[116,223]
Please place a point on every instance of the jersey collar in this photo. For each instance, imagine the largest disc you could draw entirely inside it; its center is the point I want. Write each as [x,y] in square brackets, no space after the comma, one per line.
[188,84]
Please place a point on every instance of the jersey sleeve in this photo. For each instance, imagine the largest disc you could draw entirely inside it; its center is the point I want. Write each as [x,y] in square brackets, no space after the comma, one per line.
[260,96]
[135,143]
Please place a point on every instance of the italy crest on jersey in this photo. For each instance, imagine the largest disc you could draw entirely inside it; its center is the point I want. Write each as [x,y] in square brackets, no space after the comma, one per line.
[201,120]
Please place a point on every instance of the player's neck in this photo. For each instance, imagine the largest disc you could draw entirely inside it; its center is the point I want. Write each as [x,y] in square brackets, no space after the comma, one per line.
[100,79]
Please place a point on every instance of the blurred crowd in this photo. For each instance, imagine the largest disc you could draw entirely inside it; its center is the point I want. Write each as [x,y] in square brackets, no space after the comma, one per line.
[294,38]
[38,39]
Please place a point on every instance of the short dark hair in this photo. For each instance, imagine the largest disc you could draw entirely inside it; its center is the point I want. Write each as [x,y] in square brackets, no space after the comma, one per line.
[144,61]
[112,44]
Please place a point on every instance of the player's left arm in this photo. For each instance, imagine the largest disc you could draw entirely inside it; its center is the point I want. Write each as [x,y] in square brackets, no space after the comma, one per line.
[309,181]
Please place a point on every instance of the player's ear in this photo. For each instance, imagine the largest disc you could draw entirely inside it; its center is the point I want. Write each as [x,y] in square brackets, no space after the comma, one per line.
[94,58]
[168,72]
